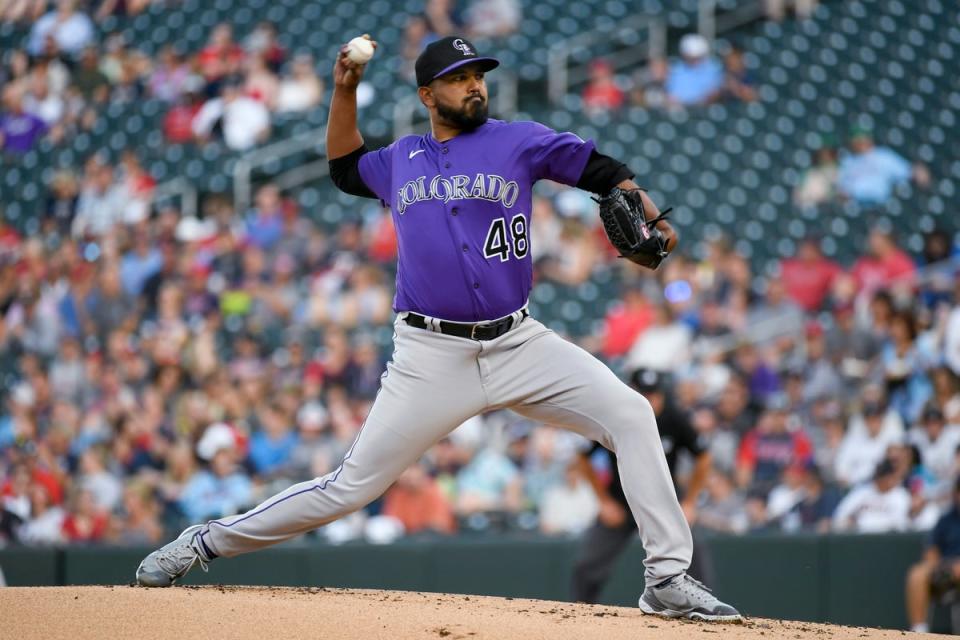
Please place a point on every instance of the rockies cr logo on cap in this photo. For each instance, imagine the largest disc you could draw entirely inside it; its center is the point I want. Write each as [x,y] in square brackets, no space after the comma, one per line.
[464,47]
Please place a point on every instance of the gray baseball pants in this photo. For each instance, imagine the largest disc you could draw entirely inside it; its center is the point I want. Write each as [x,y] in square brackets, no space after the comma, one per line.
[434,383]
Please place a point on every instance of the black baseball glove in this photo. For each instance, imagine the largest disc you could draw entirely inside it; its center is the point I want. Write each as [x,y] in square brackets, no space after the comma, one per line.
[636,238]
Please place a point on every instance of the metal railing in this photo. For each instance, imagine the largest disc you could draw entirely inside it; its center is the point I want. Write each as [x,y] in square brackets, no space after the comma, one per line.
[710,22]
[178,187]
[560,74]
[315,140]
[409,117]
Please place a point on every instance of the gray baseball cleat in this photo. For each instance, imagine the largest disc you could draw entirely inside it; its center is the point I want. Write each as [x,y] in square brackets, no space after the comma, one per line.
[171,562]
[683,597]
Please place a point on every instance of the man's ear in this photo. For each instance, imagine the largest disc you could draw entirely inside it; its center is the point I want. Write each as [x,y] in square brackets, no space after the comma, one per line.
[426,97]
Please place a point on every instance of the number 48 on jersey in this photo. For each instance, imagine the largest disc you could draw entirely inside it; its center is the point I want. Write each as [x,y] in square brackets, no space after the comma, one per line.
[499,243]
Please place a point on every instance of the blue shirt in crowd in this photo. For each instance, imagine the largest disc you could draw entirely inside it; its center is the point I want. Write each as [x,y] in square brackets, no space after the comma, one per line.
[694,83]
[869,177]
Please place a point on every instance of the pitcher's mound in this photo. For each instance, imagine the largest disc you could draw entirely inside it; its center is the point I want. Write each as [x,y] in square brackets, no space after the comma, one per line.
[256,613]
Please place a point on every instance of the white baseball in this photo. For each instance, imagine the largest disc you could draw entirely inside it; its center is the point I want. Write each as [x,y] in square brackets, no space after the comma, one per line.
[360,50]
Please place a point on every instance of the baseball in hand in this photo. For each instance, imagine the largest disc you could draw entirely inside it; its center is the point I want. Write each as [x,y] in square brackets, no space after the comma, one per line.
[360,50]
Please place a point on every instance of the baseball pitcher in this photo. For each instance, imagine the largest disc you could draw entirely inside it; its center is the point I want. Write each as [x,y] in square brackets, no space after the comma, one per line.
[465,342]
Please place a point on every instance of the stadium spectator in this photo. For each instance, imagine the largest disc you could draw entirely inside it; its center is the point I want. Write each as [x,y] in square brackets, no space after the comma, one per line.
[626,321]
[262,42]
[904,364]
[70,29]
[489,482]
[946,393]
[663,346]
[273,444]
[23,10]
[649,85]
[814,511]
[568,507]
[261,83]
[301,89]
[868,173]
[493,18]
[41,101]
[242,121]
[697,78]
[818,184]
[93,84]
[417,501]
[101,202]
[19,130]
[120,8]
[61,204]
[168,79]
[865,443]
[769,448]
[739,83]
[776,317]
[777,9]
[808,277]
[220,58]
[85,521]
[416,36]
[264,223]
[724,509]
[884,266]
[138,522]
[936,573]
[104,487]
[937,442]
[576,262]
[178,121]
[818,375]
[443,17]
[879,506]
[221,489]
[951,334]
[602,95]
[44,526]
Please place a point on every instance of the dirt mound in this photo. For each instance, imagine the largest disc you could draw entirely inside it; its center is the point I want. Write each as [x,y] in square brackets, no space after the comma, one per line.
[255,613]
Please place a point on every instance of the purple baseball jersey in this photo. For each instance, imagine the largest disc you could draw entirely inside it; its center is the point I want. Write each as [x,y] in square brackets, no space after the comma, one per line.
[462,213]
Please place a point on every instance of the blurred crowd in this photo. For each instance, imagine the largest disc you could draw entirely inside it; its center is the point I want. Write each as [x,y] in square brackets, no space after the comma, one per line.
[162,369]
[157,370]
[69,71]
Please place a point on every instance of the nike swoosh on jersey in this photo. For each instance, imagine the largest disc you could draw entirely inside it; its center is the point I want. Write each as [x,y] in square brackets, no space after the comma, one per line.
[413,153]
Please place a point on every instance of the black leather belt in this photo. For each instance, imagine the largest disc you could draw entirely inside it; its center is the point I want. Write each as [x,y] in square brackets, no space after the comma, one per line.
[478,331]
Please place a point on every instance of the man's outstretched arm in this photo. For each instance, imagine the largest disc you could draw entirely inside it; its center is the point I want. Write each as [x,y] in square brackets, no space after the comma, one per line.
[343,136]
[603,173]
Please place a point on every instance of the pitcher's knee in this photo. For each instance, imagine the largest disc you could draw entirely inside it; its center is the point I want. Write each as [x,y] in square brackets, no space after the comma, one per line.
[632,417]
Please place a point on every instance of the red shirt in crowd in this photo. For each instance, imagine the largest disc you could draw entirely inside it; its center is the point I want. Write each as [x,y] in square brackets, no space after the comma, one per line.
[603,96]
[83,529]
[178,123]
[872,273]
[623,325]
[768,454]
[426,508]
[216,61]
[808,282]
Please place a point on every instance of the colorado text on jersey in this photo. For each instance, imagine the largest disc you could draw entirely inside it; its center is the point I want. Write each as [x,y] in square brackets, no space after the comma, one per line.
[489,187]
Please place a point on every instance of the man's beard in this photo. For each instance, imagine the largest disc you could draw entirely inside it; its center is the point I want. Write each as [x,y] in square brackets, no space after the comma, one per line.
[467,118]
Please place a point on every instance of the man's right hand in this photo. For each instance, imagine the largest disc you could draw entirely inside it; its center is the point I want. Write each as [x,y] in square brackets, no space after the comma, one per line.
[346,73]
[612,513]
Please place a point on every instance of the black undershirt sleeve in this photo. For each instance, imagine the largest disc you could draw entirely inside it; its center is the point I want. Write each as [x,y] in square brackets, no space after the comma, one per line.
[345,173]
[602,174]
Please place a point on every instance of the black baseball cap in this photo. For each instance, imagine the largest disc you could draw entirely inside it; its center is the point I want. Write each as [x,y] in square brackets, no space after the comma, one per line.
[647,380]
[447,54]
